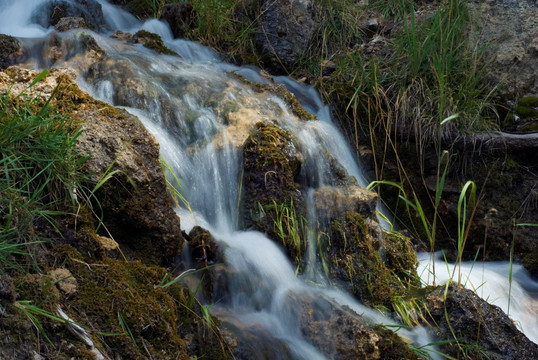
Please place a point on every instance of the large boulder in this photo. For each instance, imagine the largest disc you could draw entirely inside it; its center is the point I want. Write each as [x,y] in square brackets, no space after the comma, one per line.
[11,51]
[461,315]
[50,12]
[285,28]
[508,30]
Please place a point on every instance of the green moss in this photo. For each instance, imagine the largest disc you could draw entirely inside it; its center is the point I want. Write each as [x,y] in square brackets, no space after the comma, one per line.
[526,112]
[528,101]
[354,259]
[110,287]
[39,289]
[152,41]
[400,258]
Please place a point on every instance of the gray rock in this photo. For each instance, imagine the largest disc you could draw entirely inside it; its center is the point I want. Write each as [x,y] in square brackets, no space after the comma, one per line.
[509,30]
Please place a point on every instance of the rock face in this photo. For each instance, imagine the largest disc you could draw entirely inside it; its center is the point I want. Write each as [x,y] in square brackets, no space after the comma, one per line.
[11,51]
[51,12]
[474,321]
[180,17]
[509,28]
[285,28]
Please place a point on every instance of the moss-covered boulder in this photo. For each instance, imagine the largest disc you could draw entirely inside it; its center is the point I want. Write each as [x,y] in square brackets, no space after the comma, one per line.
[271,200]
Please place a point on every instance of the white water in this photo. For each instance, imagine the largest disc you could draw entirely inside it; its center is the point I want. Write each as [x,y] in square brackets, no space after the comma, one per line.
[202,148]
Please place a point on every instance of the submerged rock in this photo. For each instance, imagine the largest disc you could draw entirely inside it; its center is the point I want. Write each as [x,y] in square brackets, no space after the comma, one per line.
[344,335]
[68,23]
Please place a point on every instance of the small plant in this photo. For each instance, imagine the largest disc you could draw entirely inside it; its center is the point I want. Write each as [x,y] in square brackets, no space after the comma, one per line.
[176,194]
[34,313]
[289,228]
[126,328]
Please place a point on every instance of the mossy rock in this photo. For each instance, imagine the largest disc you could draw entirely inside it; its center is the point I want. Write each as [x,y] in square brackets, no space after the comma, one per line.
[152,41]
[271,164]
[159,318]
[400,258]
[353,257]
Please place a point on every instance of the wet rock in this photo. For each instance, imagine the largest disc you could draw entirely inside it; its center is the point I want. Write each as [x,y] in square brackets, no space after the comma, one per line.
[202,245]
[152,41]
[508,28]
[333,202]
[180,17]
[68,23]
[11,51]
[285,28]
[271,164]
[464,315]
[344,335]
[50,12]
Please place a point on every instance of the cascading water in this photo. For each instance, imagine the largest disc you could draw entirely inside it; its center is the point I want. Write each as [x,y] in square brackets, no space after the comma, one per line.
[201,112]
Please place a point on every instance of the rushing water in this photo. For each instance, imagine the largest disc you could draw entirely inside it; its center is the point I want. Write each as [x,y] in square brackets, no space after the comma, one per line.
[201,113]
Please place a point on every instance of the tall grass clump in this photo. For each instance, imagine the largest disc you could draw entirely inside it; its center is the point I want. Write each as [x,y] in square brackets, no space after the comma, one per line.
[227,26]
[40,168]
[438,70]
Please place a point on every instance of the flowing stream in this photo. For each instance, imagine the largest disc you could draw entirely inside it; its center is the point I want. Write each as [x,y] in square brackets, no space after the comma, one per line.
[201,112]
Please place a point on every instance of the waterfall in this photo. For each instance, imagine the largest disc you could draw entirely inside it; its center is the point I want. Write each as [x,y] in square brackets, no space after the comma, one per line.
[201,113]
